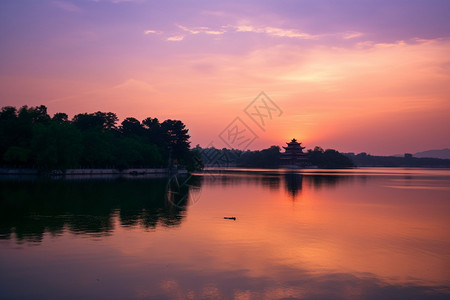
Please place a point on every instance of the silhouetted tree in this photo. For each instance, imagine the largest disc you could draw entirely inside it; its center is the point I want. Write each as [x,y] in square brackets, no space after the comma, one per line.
[60,117]
[8,129]
[8,113]
[154,132]
[176,139]
[111,120]
[131,126]
[56,146]
[329,158]
[266,158]
[87,121]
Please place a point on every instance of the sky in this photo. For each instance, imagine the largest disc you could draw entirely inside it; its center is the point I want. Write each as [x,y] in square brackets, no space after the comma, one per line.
[352,75]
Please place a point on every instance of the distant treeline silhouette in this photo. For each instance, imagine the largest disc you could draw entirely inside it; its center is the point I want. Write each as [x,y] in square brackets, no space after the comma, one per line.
[366,160]
[270,158]
[30,138]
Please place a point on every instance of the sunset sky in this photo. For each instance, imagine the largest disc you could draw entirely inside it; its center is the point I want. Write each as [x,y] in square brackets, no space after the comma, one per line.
[351,75]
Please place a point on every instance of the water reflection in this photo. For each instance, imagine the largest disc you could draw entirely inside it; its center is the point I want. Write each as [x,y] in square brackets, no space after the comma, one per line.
[30,208]
[329,235]
[329,181]
[224,179]
[293,183]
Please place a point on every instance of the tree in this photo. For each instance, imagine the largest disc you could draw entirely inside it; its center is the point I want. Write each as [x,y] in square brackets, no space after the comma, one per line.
[131,126]
[87,121]
[176,138]
[60,117]
[96,121]
[17,156]
[318,149]
[33,115]
[57,146]
[194,161]
[98,149]
[110,121]
[330,159]
[8,128]
[8,113]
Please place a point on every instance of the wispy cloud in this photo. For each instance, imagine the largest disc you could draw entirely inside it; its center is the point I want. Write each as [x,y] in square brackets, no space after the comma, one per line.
[351,35]
[274,31]
[248,28]
[270,31]
[204,30]
[175,38]
[187,31]
[192,31]
[214,32]
[67,6]
[150,31]
[288,33]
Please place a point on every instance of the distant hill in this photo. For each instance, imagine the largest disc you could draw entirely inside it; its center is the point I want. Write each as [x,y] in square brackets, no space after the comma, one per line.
[443,153]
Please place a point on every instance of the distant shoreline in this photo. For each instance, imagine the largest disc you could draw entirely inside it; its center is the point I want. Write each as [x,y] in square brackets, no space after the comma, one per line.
[165,171]
[96,171]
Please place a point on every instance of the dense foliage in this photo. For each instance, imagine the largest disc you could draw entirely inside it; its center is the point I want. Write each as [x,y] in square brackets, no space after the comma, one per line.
[328,159]
[30,138]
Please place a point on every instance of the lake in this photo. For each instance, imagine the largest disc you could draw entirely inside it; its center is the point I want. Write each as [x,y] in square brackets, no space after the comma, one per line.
[325,234]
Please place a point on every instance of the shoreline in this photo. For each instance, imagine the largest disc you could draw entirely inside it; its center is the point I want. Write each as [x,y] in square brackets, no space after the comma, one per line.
[96,171]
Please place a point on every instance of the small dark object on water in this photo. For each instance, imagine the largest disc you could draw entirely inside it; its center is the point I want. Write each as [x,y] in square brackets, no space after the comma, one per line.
[230,218]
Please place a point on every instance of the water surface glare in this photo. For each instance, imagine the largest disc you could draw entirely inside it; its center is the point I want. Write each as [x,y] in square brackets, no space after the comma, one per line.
[338,234]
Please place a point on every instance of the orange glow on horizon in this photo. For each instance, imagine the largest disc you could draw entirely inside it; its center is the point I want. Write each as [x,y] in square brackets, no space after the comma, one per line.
[329,96]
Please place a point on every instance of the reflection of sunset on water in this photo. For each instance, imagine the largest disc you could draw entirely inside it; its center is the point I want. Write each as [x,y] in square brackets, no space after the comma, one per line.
[295,233]
[351,227]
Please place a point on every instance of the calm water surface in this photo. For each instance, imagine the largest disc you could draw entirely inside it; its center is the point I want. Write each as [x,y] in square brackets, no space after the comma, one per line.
[362,234]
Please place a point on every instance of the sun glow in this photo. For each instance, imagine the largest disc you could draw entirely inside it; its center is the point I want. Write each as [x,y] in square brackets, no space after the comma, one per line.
[329,84]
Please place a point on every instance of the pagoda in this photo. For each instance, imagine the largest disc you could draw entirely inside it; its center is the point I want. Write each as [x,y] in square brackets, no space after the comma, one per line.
[293,156]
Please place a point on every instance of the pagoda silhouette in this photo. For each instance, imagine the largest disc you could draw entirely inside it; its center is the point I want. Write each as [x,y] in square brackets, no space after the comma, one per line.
[293,157]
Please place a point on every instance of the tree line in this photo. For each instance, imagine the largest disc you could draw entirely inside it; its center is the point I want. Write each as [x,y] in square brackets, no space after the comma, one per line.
[31,138]
[366,160]
[270,158]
